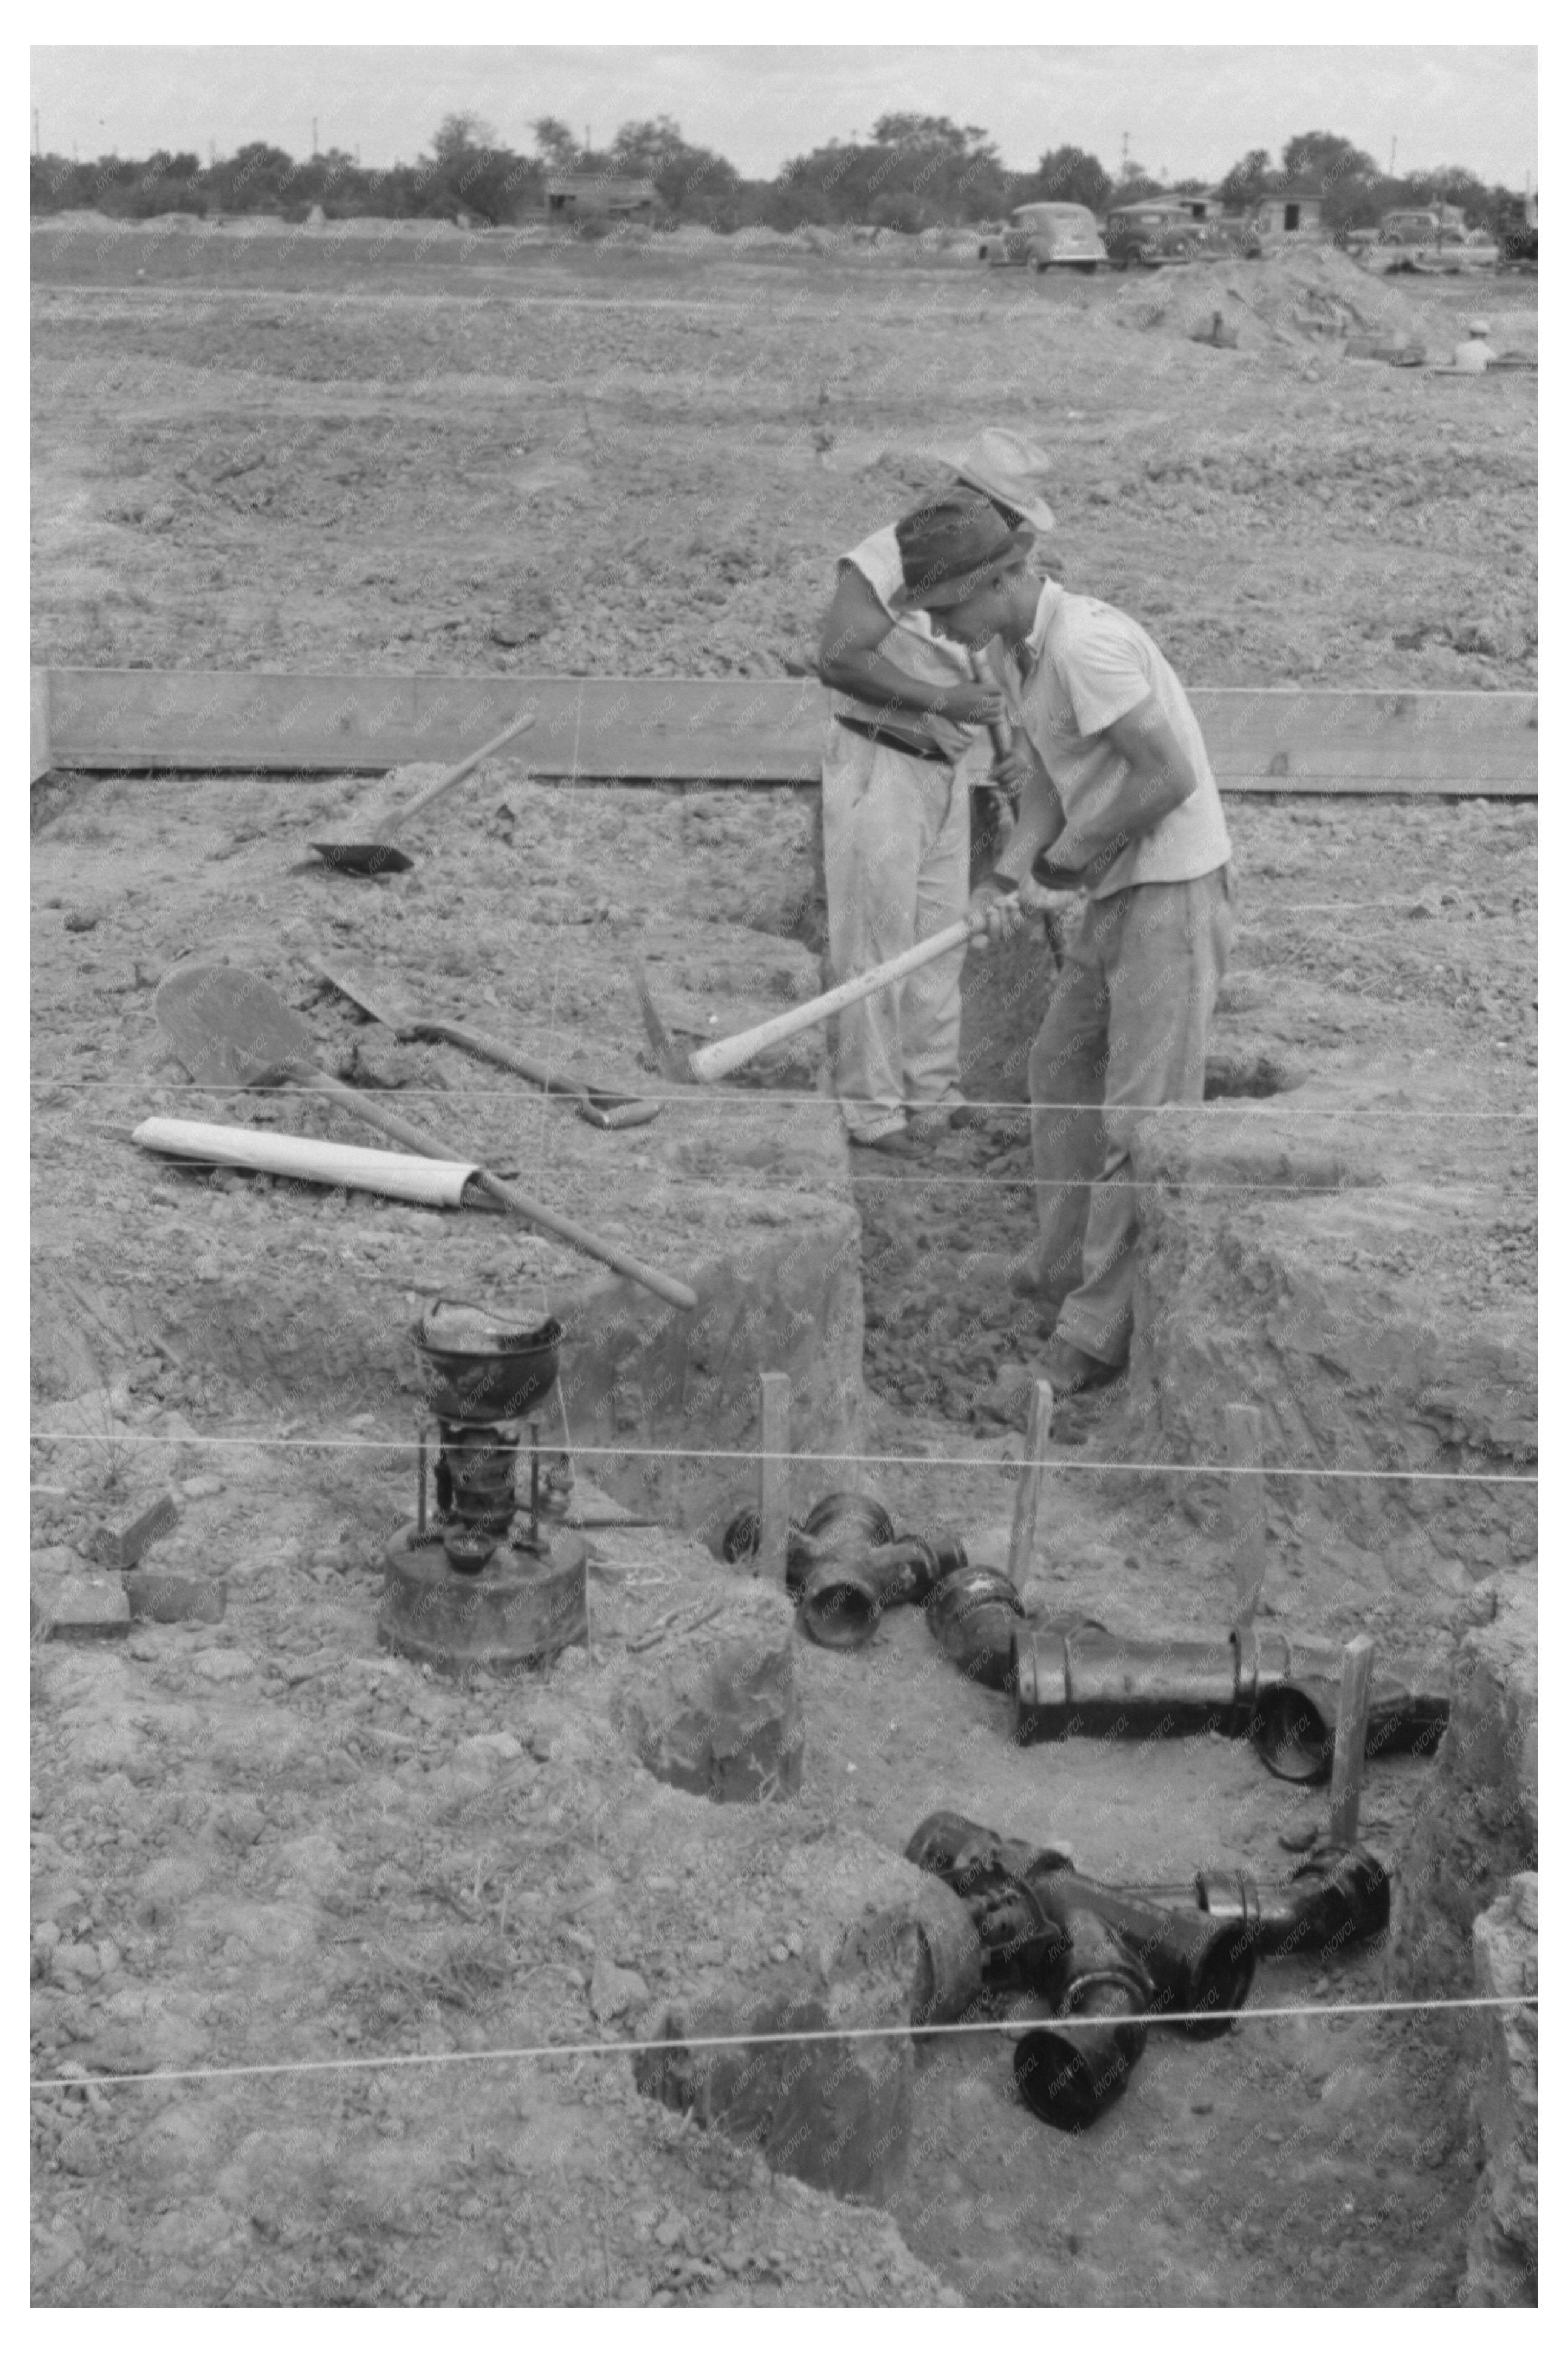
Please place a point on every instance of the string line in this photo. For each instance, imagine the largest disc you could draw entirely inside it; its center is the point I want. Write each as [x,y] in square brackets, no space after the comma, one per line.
[758,1098]
[673,2044]
[865,1180]
[757,1454]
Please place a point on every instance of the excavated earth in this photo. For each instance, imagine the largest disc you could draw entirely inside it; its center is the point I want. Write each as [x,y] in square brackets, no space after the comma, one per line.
[266,1837]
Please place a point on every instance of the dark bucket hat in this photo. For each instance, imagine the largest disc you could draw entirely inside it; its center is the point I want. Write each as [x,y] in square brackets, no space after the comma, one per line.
[951,544]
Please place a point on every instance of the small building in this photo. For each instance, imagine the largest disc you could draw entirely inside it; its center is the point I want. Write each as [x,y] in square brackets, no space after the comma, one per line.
[585,196]
[1297,210]
[1208,204]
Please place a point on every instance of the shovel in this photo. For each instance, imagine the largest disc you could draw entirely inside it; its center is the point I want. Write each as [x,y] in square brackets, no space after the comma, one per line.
[230,1030]
[596,1105]
[385,857]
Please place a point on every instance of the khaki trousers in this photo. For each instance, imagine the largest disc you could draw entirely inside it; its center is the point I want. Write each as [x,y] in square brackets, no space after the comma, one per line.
[895,853]
[1127,1029]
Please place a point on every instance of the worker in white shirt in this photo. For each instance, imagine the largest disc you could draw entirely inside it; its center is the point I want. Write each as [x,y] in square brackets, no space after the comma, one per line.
[1475,354]
[1117,802]
[904,751]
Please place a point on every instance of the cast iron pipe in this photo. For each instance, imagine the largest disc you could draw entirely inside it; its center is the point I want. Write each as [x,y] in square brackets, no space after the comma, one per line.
[1068,2077]
[845,1564]
[1084,1949]
[832,1525]
[974,1614]
[1280,1688]
[1086,1680]
[844,1596]
[1338,1897]
[1297,1724]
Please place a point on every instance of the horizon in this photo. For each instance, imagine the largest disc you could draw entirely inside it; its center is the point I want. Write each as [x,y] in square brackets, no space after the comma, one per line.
[1439,105]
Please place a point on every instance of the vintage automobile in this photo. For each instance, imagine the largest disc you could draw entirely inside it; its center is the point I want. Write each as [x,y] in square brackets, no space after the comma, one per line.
[1147,236]
[1221,233]
[1046,237]
[1436,227]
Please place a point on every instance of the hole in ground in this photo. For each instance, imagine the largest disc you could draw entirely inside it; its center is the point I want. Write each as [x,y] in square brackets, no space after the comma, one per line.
[1247,1075]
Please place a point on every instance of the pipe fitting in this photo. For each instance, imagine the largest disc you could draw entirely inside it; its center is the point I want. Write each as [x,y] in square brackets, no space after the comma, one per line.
[1296,1725]
[842,1598]
[1069,2076]
[1087,1950]
[974,1614]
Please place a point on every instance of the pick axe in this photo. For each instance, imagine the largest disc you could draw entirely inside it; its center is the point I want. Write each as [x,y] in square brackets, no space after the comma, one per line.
[726,1054]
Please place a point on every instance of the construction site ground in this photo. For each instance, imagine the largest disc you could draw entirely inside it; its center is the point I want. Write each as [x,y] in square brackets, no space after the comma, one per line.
[267,1839]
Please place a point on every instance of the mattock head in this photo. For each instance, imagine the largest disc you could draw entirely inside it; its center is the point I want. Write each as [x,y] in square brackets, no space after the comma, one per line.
[666,1054]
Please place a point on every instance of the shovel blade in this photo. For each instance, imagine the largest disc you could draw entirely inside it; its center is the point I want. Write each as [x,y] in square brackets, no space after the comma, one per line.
[228,1029]
[666,1054]
[363,857]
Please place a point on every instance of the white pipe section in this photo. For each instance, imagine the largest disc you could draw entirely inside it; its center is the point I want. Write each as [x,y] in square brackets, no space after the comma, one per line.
[436,1184]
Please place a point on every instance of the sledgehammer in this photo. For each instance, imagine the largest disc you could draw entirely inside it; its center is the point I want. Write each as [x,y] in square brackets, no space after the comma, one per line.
[726,1054]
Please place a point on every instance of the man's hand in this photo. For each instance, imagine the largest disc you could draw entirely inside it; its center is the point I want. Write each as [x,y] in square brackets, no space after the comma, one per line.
[1011,770]
[1044,898]
[1002,915]
[973,706]
[1053,882]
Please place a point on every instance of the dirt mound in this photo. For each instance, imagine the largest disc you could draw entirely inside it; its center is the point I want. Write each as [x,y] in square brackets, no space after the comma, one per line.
[1287,298]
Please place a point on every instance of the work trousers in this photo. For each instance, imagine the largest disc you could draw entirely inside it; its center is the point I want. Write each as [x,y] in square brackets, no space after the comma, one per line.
[896,852]
[1127,1029]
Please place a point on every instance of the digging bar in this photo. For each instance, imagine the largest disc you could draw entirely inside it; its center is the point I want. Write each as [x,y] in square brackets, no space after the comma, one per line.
[385,857]
[228,1029]
[597,1105]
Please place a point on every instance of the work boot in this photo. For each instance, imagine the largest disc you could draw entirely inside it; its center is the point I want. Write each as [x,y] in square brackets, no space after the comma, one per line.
[898,1144]
[929,1126]
[1073,1371]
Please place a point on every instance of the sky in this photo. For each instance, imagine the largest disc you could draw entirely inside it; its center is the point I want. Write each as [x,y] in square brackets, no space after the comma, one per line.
[1186,111]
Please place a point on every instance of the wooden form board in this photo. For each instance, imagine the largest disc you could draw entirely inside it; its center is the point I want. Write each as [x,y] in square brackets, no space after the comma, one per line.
[736,730]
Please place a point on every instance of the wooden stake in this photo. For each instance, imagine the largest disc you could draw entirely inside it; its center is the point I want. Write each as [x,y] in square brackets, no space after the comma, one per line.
[773,1478]
[1025,1510]
[1249,1552]
[1350,1741]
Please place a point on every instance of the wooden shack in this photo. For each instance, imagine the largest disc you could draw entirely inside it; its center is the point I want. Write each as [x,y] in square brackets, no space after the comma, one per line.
[1295,210]
[588,196]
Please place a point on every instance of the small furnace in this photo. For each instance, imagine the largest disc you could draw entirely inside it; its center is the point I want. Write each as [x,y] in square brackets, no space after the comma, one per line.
[482,1576]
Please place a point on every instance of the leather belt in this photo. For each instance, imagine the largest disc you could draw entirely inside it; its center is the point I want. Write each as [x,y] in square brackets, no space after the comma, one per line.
[916,750]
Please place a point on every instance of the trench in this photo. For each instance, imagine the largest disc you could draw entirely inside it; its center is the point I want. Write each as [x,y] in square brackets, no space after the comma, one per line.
[890,1312]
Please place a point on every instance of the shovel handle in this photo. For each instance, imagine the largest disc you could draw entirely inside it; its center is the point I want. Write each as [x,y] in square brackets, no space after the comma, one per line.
[599,1107]
[521,1204]
[465,767]
[506,1058]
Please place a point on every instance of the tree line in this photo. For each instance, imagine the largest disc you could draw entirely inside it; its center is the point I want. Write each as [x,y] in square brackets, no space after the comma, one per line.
[916,172]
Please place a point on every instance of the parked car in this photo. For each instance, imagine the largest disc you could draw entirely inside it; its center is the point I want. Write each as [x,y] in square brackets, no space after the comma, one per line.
[1148,235]
[1045,236]
[1422,228]
[1219,232]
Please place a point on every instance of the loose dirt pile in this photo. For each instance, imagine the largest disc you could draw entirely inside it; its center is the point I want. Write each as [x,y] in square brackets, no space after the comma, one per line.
[1288,299]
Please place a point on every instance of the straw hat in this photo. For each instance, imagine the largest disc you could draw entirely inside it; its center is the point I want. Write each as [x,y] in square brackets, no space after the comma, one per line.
[1003,465]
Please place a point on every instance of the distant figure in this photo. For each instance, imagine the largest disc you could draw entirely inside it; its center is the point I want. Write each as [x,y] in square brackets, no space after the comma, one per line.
[1475,353]
[1223,338]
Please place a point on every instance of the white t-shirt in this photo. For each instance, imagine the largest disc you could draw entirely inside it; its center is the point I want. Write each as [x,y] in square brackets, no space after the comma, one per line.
[1089,665]
[913,645]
